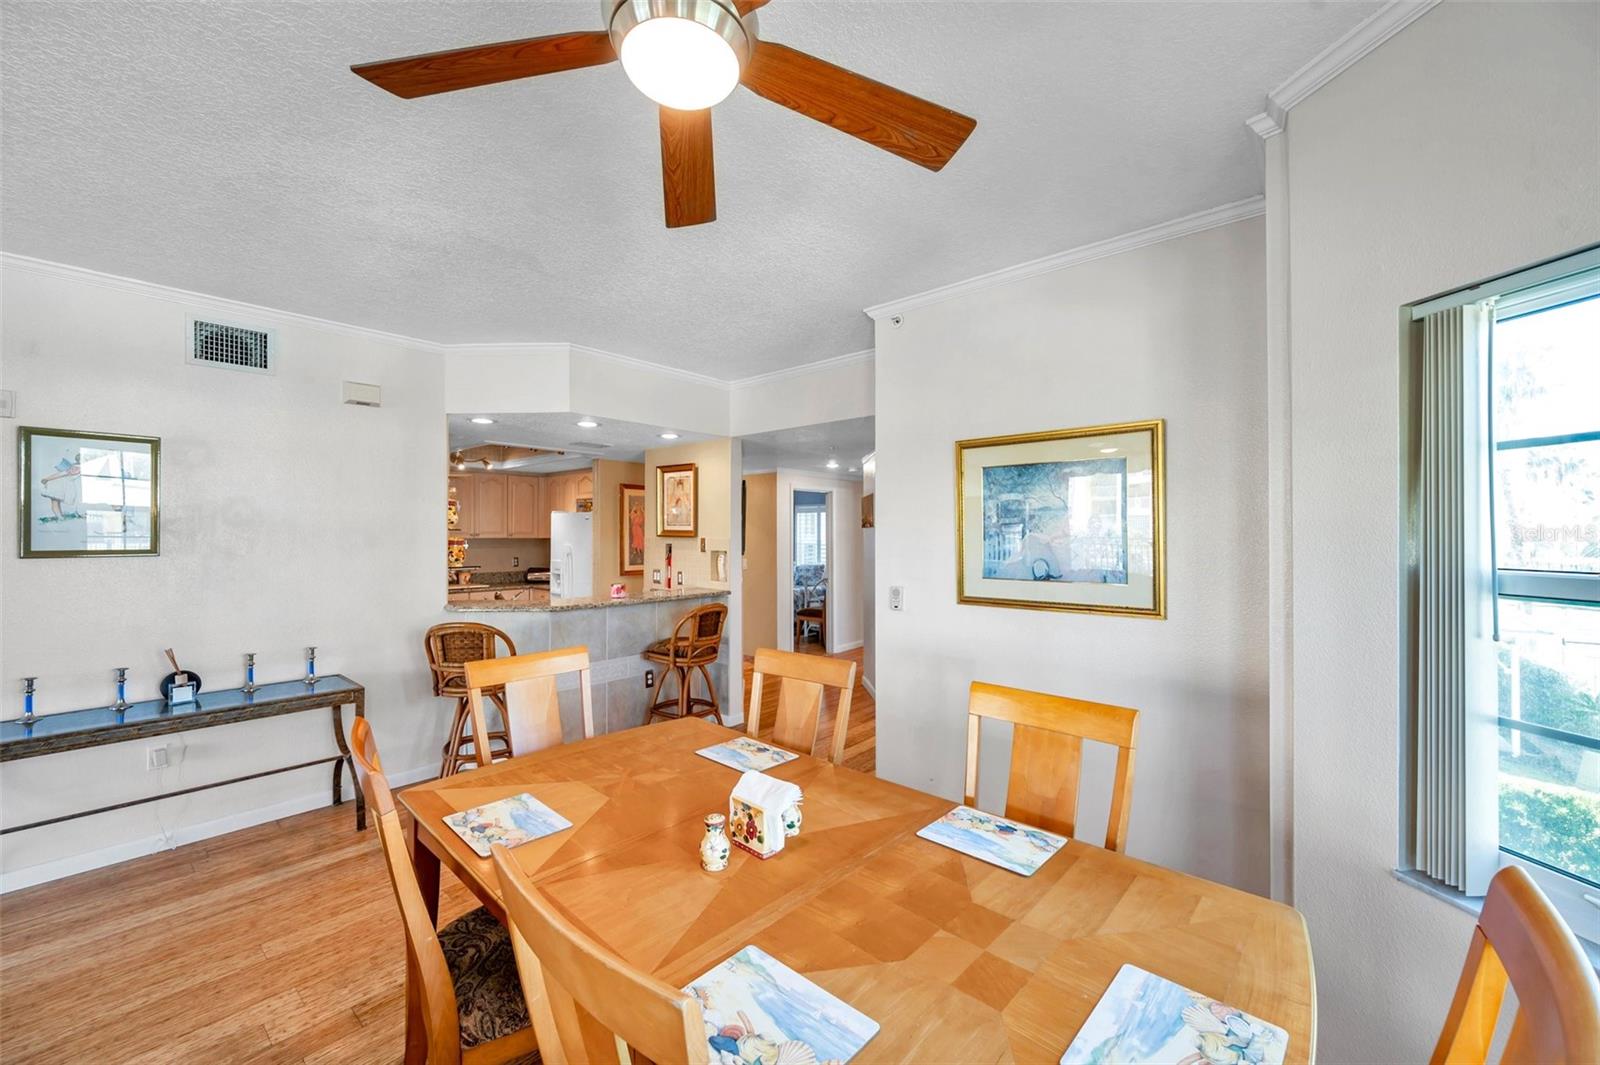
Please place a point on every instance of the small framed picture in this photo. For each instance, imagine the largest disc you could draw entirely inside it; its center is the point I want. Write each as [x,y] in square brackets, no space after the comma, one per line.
[630,514]
[677,500]
[1072,519]
[87,494]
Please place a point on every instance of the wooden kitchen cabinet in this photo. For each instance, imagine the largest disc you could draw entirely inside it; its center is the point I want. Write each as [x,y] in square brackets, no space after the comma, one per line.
[491,508]
[464,490]
[525,499]
[583,488]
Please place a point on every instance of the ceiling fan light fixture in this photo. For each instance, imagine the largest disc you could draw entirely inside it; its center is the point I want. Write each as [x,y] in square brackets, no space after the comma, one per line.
[683,54]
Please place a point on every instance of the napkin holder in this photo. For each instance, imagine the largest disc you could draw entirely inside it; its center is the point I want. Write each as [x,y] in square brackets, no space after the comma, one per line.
[755,813]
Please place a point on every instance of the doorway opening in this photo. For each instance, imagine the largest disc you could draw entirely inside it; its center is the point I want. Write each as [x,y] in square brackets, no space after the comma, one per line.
[810,565]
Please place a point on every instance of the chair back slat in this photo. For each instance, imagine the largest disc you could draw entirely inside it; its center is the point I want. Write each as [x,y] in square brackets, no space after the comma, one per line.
[698,633]
[1047,755]
[423,952]
[802,680]
[532,706]
[587,1004]
[1522,940]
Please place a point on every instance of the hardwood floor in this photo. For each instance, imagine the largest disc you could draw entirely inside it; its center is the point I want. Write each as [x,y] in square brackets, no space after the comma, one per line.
[277,944]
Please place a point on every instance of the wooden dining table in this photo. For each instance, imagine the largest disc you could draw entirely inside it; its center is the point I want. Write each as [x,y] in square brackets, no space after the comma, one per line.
[956,959]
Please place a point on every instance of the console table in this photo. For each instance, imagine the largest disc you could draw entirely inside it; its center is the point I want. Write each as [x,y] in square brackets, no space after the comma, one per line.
[95,727]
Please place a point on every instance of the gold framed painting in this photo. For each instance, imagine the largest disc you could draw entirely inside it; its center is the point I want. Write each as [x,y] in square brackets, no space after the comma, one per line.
[1072,519]
[678,500]
[630,515]
[87,494]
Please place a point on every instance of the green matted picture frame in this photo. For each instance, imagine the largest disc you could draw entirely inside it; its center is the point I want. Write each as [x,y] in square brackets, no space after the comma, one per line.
[1070,519]
[85,494]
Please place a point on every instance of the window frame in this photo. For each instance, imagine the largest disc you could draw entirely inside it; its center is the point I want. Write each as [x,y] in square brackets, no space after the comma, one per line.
[1576,897]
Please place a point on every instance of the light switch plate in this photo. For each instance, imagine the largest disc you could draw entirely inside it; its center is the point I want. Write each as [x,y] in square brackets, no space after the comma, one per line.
[897,597]
[8,403]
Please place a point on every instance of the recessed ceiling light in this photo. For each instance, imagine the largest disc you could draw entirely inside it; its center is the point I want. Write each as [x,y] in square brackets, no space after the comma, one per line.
[588,423]
[833,464]
[483,421]
[852,469]
[669,436]
[1107,450]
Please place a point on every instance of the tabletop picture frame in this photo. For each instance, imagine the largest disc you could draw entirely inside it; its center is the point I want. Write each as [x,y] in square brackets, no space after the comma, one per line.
[1069,519]
[84,494]
[678,500]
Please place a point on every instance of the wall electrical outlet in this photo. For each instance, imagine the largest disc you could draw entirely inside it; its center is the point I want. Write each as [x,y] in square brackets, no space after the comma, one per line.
[649,678]
[155,758]
[897,597]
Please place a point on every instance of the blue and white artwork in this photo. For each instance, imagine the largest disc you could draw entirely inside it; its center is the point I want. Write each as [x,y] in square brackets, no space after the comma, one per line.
[508,822]
[1147,1019]
[88,494]
[997,840]
[745,754]
[1056,521]
[759,1010]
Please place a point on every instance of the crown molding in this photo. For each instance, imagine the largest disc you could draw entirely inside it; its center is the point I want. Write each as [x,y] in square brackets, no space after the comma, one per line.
[228,307]
[1198,222]
[1335,60]
[838,362]
[651,367]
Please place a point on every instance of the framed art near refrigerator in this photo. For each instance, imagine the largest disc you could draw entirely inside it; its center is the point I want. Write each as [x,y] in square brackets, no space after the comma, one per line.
[1072,519]
[630,513]
[85,494]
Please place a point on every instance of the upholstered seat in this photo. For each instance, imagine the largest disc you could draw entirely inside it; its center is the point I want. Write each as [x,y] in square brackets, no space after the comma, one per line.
[661,651]
[695,643]
[489,997]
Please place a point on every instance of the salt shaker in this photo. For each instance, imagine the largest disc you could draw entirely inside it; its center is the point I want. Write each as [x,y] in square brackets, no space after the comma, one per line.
[714,848]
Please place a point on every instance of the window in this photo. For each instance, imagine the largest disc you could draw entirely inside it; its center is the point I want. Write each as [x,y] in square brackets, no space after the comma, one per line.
[1502,601]
[811,535]
[1545,378]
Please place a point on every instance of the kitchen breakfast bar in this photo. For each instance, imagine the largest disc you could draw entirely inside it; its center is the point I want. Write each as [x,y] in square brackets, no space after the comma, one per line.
[616,632]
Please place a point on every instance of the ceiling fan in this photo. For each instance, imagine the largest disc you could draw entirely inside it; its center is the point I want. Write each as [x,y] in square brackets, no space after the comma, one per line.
[687,56]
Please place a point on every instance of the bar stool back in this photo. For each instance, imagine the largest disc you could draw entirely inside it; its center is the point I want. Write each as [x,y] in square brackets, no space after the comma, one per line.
[450,647]
[694,644]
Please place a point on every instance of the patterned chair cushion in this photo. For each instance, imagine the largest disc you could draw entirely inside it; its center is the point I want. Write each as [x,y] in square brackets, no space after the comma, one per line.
[488,994]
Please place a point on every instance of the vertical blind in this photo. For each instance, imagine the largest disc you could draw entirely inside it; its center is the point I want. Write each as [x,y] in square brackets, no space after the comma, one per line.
[1456,831]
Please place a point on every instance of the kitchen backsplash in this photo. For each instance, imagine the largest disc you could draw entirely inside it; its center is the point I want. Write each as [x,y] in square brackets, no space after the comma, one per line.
[507,554]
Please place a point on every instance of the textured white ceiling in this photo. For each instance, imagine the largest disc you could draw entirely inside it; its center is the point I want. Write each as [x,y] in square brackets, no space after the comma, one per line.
[809,447]
[225,147]
[611,439]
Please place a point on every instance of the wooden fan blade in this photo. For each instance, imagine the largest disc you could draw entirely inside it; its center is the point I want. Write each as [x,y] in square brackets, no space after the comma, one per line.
[747,6]
[486,64]
[688,182]
[895,121]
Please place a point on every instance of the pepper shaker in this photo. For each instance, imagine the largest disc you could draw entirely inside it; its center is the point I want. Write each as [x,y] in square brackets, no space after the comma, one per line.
[714,848]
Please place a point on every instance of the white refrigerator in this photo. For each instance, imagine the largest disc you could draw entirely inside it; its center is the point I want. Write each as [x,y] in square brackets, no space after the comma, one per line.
[571,555]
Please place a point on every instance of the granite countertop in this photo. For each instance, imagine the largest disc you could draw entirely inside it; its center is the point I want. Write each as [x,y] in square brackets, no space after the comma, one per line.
[589,602]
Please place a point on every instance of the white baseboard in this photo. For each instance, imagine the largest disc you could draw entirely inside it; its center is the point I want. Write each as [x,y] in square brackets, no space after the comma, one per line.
[841,648]
[44,872]
[867,684]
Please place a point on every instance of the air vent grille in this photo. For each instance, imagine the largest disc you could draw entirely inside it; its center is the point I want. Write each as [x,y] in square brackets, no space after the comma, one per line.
[233,346]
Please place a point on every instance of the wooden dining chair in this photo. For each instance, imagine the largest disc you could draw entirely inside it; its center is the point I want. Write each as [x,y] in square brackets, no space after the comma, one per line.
[532,710]
[812,610]
[1521,939]
[463,977]
[695,644]
[801,680]
[587,1004]
[1047,753]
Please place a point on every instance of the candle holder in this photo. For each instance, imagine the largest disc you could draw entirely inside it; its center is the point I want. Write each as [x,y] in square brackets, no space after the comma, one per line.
[27,700]
[122,691]
[249,672]
[311,665]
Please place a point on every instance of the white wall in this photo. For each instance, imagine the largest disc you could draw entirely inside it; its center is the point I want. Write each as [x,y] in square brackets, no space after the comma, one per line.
[1465,147]
[287,519]
[844,557]
[1176,331]
[832,390]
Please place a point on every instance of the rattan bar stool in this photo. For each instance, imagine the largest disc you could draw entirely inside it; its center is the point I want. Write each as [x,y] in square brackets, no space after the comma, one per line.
[450,647]
[694,644]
